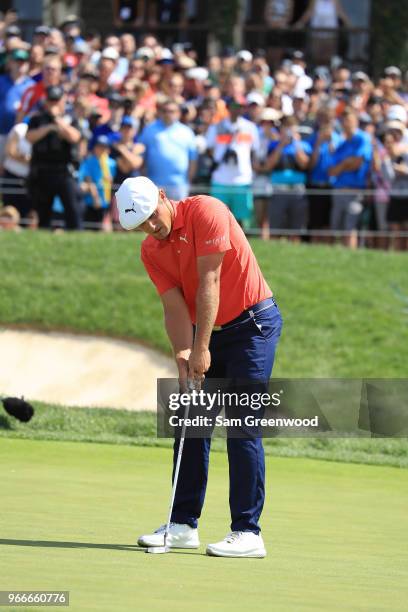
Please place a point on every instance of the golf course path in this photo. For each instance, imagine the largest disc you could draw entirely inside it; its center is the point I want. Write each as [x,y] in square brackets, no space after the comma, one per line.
[78,370]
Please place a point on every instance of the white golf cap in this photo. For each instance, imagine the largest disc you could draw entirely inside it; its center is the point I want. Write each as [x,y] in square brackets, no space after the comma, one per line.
[254,97]
[245,55]
[144,53]
[396,112]
[137,198]
[110,53]
[271,114]
[198,73]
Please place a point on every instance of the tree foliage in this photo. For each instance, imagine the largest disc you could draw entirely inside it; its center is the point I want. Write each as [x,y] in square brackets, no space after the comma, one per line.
[389,34]
[223,15]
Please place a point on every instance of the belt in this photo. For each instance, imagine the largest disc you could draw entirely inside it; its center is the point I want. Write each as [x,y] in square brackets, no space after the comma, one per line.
[247,315]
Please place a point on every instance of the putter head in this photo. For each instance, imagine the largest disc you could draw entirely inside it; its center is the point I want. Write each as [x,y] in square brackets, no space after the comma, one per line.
[158,549]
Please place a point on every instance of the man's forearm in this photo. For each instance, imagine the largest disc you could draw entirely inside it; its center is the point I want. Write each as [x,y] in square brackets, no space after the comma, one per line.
[179,331]
[37,134]
[207,300]
[69,133]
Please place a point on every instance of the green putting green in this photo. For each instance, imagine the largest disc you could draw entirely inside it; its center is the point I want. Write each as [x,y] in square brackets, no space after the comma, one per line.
[336,534]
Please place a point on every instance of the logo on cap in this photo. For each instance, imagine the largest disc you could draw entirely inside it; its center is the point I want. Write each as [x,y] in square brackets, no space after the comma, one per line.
[127,210]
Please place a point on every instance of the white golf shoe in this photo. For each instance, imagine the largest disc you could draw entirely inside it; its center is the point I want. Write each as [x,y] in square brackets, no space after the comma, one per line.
[180,536]
[238,544]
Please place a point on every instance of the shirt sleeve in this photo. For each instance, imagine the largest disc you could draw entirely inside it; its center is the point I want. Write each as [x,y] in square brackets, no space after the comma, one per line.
[211,136]
[192,149]
[159,278]
[83,171]
[211,227]
[362,148]
[34,122]
[255,140]
[272,146]
[142,137]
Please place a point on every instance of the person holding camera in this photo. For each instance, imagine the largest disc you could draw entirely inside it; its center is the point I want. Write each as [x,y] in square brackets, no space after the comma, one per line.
[288,161]
[54,137]
[233,143]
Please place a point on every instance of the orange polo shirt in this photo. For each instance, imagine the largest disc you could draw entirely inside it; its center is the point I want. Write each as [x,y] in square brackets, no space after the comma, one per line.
[203,225]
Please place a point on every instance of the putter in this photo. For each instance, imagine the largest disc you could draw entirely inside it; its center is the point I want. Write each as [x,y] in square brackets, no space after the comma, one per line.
[165,548]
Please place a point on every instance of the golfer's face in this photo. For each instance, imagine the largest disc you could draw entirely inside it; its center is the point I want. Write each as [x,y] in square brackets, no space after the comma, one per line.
[158,224]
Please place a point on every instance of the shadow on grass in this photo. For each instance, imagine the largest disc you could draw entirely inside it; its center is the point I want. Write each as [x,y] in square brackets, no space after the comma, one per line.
[54,544]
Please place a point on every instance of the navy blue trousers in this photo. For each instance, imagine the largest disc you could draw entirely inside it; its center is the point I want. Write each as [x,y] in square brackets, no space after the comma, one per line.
[246,351]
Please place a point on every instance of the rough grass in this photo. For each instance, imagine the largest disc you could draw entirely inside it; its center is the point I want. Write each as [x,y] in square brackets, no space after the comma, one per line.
[345,313]
[139,429]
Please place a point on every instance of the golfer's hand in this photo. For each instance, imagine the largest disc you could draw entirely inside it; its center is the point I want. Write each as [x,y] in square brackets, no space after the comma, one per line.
[199,363]
[182,365]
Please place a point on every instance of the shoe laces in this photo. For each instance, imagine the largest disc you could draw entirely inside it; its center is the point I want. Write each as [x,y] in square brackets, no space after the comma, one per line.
[162,528]
[233,536]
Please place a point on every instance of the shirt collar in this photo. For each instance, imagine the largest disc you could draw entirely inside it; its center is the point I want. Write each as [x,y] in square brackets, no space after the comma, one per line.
[178,215]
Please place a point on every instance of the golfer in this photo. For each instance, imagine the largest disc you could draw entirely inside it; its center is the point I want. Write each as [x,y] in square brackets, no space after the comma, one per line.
[222,322]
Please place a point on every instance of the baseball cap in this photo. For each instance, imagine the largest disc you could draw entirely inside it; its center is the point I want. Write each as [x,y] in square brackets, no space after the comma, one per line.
[13,30]
[69,20]
[137,198]
[54,93]
[359,76]
[255,97]
[128,121]
[51,50]
[115,98]
[395,125]
[42,30]
[110,53]
[184,62]
[321,72]
[166,57]
[198,73]
[20,55]
[228,51]
[144,53]
[392,71]
[365,119]
[270,114]
[81,47]
[396,112]
[298,55]
[245,55]
[103,141]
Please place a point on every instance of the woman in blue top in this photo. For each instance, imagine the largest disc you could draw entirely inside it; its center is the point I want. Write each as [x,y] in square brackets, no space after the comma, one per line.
[288,160]
[324,141]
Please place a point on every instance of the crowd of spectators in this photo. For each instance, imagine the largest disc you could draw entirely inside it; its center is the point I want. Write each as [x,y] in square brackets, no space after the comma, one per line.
[288,148]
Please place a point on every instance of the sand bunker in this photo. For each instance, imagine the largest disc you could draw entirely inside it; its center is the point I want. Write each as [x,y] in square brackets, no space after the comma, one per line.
[80,370]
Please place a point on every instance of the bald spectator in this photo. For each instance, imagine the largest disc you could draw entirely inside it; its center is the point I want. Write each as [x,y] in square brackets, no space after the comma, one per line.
[171,154]
[51,77]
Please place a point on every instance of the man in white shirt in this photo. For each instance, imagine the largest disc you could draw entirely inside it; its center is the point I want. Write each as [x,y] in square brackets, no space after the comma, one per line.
[233,143]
